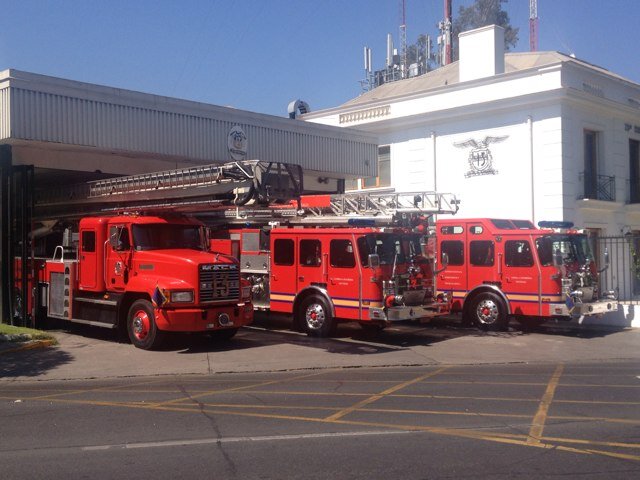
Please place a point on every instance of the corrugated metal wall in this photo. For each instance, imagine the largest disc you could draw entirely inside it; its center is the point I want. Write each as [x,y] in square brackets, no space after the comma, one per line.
[5,109]
[111,119]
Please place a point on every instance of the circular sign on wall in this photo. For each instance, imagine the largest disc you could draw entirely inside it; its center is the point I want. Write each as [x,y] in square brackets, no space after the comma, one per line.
[237,143]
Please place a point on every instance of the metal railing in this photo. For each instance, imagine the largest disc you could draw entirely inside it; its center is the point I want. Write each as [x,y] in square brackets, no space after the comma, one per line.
[623,273]
[598,187]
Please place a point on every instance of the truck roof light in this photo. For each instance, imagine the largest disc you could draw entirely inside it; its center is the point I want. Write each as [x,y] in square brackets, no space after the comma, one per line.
[552,224]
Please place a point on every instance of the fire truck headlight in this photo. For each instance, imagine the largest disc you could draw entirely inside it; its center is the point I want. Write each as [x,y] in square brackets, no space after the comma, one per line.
[185,296]
[246,292]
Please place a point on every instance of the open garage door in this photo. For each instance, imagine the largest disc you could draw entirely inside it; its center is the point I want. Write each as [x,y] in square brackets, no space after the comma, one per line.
[16,256]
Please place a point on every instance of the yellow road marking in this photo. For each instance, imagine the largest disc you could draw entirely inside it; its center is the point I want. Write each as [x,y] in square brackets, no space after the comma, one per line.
[537,426]
[521,440]
[382,394]
[236,389]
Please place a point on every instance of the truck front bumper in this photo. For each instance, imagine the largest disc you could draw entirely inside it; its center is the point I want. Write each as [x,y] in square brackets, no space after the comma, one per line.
[584,309]
[204,319]
[398,314]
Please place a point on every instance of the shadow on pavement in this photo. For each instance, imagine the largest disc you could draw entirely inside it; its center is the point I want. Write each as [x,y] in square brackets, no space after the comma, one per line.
[32,363]
[269,329]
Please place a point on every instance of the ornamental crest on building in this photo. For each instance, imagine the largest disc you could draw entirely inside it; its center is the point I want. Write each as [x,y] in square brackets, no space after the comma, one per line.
[237,143]
[480,158]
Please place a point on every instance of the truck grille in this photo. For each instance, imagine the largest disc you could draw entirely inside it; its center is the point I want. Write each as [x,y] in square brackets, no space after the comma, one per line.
[219,282]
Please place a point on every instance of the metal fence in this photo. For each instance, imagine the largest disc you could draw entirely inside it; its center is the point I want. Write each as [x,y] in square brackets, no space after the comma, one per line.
[623,274]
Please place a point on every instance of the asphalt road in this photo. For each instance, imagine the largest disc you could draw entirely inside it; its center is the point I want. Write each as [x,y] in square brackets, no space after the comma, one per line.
[442,421]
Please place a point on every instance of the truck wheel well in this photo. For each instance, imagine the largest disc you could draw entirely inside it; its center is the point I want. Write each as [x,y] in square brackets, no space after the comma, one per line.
[125,304]
[469,299]
[301,297]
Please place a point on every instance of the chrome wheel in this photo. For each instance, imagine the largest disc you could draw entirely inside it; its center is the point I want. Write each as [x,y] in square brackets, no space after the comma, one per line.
[315,316]
[487,312]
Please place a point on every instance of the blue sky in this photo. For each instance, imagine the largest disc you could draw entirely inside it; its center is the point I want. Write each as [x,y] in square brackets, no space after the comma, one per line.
[259,55]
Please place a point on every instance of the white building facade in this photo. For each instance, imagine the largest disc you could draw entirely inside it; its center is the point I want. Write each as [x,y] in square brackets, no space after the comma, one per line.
[538,136]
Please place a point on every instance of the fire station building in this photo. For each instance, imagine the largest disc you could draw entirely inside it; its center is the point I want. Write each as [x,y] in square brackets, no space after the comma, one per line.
[539,136]
[56,133]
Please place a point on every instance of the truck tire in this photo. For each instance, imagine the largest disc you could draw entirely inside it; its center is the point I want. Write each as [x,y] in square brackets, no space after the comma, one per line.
[315,317]
[141,326]
[488,312]
[223,335]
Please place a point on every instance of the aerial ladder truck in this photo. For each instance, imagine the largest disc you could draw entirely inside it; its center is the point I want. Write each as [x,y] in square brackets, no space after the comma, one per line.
[367,257]
[134,257]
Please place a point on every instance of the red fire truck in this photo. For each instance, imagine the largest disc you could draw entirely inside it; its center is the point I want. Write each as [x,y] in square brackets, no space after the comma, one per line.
[149,273]
[500,268]
[351,257]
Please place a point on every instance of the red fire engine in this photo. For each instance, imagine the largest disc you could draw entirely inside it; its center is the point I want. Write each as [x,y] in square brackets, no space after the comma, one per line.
[359,257]
[502,268]
[150,273]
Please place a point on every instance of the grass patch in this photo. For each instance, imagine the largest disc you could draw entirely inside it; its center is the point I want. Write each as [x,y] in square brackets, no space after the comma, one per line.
[19,334]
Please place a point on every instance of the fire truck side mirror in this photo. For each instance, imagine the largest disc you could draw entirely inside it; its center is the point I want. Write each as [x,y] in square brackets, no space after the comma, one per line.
[445,259]
[374,260]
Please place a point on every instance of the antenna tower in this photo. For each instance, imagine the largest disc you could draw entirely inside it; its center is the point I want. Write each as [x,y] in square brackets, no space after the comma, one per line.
[403,40]
[533,25]
[444,39]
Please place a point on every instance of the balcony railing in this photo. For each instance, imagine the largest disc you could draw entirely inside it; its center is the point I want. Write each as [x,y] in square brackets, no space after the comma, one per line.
[599,187]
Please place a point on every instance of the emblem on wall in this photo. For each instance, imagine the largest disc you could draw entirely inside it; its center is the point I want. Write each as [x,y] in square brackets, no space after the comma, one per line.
[237,143]
[480,158]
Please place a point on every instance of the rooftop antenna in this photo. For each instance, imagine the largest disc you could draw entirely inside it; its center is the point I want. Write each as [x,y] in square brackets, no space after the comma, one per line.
[533,25]
[403,40]
[444,39]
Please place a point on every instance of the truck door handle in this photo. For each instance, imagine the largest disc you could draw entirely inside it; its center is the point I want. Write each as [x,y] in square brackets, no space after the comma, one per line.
[300,278]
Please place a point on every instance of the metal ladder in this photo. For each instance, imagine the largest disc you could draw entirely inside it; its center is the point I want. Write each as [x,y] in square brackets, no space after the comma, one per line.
[182,190]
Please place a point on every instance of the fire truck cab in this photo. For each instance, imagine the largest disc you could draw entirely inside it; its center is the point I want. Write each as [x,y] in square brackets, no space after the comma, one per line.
[500,268]
[146,274]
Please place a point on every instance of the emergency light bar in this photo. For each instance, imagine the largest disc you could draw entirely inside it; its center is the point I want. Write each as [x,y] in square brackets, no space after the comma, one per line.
[552,224]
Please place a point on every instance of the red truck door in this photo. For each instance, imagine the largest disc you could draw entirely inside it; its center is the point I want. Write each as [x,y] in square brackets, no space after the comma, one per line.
[283,273]
[483,257]
[118,257]
[344,275]
[88,259]
[521,276]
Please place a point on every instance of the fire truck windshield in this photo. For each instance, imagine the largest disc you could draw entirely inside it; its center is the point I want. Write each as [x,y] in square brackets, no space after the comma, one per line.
[389,246]
[574,249]
[159,236]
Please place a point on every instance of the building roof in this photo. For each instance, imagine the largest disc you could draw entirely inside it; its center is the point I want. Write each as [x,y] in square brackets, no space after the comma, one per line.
[449,75]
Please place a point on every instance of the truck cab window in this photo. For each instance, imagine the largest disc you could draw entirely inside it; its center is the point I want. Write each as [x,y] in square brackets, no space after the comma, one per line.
[517,253]
[454,250]
[341,254]
[119,238]
[310,253]
[89,241]
[481,253]
[283,251]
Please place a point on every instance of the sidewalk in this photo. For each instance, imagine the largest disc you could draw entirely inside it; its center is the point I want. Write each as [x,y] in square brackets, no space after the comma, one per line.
[96,353]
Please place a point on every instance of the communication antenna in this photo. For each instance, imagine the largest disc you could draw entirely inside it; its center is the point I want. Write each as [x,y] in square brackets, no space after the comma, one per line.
[533,25]
[444,39]
[403,40]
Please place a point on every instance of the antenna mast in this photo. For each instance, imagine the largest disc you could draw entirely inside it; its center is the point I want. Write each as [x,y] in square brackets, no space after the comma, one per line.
[403,40]
[444,39]
[533,25]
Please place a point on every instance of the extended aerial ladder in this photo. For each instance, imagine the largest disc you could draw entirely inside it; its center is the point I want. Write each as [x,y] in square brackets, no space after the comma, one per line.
[238,193]
[183,190]
[351,208]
